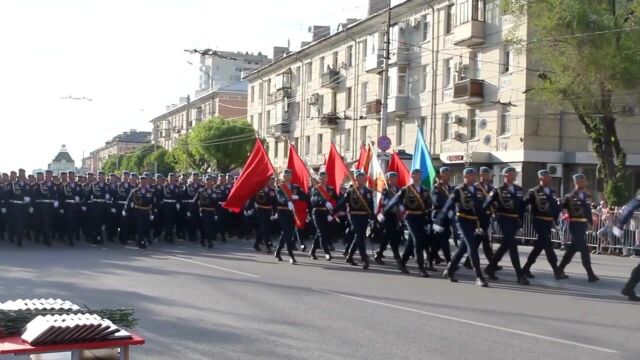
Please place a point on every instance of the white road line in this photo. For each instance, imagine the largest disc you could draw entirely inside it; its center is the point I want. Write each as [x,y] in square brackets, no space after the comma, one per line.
[212,266]
[470,322]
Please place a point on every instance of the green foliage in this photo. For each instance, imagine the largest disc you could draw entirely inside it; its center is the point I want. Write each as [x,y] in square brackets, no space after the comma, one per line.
[110,165]
[616,192]
[183,157]
[224,145]
[165,164]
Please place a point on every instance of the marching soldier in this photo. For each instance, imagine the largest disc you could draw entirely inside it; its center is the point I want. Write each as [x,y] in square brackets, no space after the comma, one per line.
[485,219]
[508,202]
[578,205]
[224,214]
[323,199]
[208,202]
[285,195]
[265,209]
[469,201]
[545,210]
[627,213]
[140,204]
[159,220]
[113,221]
[20,205]
[170,207]
[417,203]
[441,192]
[46,197]
[391,223]
[85,216]
[181,221]
[5,188]
[70,197]
[124,189]
[359,201]
[189,193]
[100,201]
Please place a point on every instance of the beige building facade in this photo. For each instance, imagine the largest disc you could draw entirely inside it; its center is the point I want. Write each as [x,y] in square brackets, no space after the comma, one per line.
[125,143]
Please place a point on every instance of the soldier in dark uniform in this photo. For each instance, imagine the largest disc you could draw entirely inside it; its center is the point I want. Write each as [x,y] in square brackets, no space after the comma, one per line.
[627,213]
[208,202]
[485,219]
[416,201]
[545,210]
[264,203]
[181,221]
[4,194]
[20,205]
[578,205]
[224,214]
[100,203]
[123,190]
[158,223]
[469,201]
[170,206]
[140,203]
[440,194]
[323,199]
[46,195]
[285,194]
[85,216]
[70,195]
[359,201]
[193,220]
[508,203]
[113,219]
[391,224]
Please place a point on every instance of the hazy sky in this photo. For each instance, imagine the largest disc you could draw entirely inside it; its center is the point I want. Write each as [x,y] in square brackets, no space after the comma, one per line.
[127,56]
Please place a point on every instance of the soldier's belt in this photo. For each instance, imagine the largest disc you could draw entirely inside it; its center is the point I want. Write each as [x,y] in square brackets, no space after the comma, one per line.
[17,202]
[45,201]
[467,217]
[414,212]
[168,201]
[98,200]
[142,207]
[321,208]
[579,220]
[70,201]
[122,202]
[359,213]
[545,218]
[207,209]
[514,216]
[284,208]
[264,207]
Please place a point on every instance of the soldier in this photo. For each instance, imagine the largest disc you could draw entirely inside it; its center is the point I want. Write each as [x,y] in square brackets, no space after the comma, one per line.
[264,202]
[508,202]
[578,205]
[123,190]
[391,224]
[70,195]
[417,203]
[140,204]
[46,195]
[359,201]
[85,216]
[159,219]
[100,201]
[485,219]
[323,199]
[208,202]
[19,205]
[627,213]
[170,206]
[469,201]
[189,193]
[545,210]
[224,215]
[113,219]
[441,192]
[285,194]
[181,221]
[4,194]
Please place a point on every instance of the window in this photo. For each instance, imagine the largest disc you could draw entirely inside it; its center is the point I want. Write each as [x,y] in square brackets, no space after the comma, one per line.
[308,72]
[449,20]
[507,58]
[448,73]
[363,49]
[321,66]
[307,145]
[296,76]
[268,85]
[252,123]
[446,126]
[426,28]
[347,98]
[505,120]
[296,144]
[400,133]
[260,91]
[320,105]
[276,145]
[477,10]
[474,117]
[463,11]
[425,78]
[423,122]
[402,80]
[347,140]
[334,102]
[268,119]
[308,111]
[363,134]
[349,56]
[259,122]
[253,92]
[319,144]
[363,93]
[334,60]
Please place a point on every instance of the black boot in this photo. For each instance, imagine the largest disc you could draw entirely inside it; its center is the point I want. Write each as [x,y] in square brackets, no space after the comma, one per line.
[313,256]
[277,256]
[630,293]
[480,282]
[423,273]
[490,270]
[447,274]
[526,271]
[378,258]
[349,260]
[522,280]
[210,244]
[402,267]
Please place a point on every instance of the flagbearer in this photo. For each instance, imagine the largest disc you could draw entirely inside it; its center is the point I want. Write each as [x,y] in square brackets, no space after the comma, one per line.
[416,202]
[140,203]
[323,199]
[627,213]
[359,200]
[208,202]
[264,202]
[286,194]
[391,224]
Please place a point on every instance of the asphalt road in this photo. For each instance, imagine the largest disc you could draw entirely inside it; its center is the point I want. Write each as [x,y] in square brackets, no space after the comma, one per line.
[233,303]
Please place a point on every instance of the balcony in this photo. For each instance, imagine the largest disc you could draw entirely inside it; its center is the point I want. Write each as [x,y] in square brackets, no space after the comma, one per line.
[373,63]
[470,91]
[397,105]
[470,33]
[330,79]
[277,130]
[329,120]
[374,108]
[279,95]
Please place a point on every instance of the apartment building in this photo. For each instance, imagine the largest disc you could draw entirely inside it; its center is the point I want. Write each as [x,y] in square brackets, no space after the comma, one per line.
[229,102]
[452,75]
[226,68]
[125,143]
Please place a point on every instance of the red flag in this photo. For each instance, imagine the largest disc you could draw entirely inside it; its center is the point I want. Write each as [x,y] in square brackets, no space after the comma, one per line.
[300,176]
[335,168]
[363,159]
[398,166]
[255,173]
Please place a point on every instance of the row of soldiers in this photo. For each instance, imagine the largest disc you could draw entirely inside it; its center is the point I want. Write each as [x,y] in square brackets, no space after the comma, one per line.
[430,216]
[110,207]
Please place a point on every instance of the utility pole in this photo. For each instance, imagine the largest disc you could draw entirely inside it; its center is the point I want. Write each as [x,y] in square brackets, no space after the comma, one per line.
[385,77]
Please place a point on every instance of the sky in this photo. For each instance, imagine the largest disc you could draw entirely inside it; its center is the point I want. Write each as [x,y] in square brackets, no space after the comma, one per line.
[126,55]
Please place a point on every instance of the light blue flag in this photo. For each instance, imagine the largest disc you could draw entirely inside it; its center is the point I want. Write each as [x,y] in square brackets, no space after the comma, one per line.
[422,161]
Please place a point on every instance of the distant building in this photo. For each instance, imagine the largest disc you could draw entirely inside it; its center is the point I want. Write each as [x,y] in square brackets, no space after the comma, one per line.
[62,162]
[121,144]
[227,68]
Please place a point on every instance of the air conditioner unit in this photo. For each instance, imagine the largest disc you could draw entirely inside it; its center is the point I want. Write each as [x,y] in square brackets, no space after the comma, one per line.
[313,99]
[555,170]
[414,21]
[458,120]
[460,136]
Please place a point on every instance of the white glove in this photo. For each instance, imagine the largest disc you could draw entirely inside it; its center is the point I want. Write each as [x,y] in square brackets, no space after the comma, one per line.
[437,228]
[330,218]
[295,197]
[31,210]
[401,208]
[107,196]
[56,204]
[124,213]
[370,222]
[246,213]
[380,217]
[188,213]
[77,198]
[215,218]
[61,211]
[151,217]
[113,210]
[290,205]
[84,208]
[273,217]
[4,210]
[328,206]
[27,199]
[618,232]
[178,207]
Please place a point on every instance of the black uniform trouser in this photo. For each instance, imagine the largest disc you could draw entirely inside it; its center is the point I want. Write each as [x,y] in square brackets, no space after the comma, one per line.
[634,279]
[578,231]
[417,243]
[323,231]
[391,235]
[98,212]
[113,220]
[181,220]
[349,236]
[193,221]
[127,225]
[485,242]
[3,222]
[71,219]
[18,220]
[470,243]
[45,212]
[543,229]
[359,225]
[509,227]
[210,225]
[287,227]
[158,223]
[142,224]
[441,241]
[263,217]
[169,215]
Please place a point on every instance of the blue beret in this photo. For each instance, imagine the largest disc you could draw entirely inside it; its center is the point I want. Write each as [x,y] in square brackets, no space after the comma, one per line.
[360,173]
[322,173]
[125,172]
[445,170]
[468,171]
[134,175]
[195,174]
[508,170]
[100,172]
[543,172]
[392,174]
[578,177]
[287,172]
[415,171]
[39,173]
[485,170]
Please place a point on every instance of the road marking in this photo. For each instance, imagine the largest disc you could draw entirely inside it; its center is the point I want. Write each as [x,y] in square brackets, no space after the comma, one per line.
[213,266]
[470,322]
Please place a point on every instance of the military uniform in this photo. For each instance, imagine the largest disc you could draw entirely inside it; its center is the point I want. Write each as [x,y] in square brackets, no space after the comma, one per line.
[264,203]
[323,199]
[19,208]
[192,220]
[46,194]
[125,222]
[170,206]
[100,202]
[440,195]
[226,217]
[208,202]
[285,194]
[391,226]
[485,224]
[70,198]
[140,203]
[359,201]
[113,219]
[625,216]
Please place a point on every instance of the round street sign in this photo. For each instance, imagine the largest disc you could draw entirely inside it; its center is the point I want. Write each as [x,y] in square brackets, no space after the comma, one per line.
[384,143]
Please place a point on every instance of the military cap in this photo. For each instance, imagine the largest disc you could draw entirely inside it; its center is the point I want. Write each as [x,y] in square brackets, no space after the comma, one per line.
[415,171]
[126,172]
[322,173]
[71,172]
[210,177]
[543,172]
[273,177]
[113,175]
[213,176]
[485,170]
[578,177]
[508,170]
[185,174]
[392,174]
[82,177]
[468,171]
[287,172]
[21,171]
[195,174]
[147,174]
[360,173]
[229,175]
[159,176]
[90,174]
[445,170]
[100,172]
[134,175]
[48,171]
[63,173]
[39,173]
[144,176]
[171,175]
[5,174]
[13,173]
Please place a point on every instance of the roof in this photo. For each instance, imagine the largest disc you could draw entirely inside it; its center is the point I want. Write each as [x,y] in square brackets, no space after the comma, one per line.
[238,86]
[63,155]
[132,137]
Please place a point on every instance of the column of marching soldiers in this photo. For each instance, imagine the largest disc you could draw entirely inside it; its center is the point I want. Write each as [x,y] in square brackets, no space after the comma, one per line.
[142,208]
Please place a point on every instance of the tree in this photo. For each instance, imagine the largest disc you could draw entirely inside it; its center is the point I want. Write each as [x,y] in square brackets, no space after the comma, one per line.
[162,158]
[109,166]
[134,161]
[224,144]
[589,53]
[183,157]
